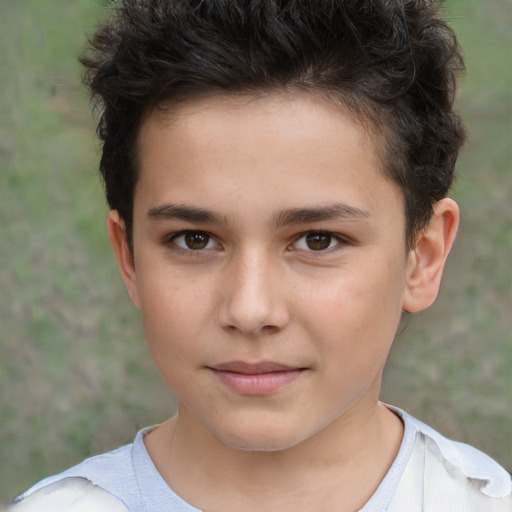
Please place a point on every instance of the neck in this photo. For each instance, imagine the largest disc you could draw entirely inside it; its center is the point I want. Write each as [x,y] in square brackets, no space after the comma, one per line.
[353,452]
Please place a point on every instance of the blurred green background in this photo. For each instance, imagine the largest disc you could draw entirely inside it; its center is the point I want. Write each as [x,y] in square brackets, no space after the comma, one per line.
[75,376]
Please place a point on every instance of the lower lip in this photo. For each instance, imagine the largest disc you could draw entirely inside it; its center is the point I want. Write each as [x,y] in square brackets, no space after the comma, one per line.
[257,384]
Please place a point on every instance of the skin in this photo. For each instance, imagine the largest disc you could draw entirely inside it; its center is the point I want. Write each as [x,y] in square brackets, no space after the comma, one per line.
[256,288]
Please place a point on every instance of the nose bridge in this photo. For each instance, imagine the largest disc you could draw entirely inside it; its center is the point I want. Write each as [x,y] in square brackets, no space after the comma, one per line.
[252,298]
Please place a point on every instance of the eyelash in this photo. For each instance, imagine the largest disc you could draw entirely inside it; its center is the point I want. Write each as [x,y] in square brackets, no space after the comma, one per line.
[171,239]
[340,242]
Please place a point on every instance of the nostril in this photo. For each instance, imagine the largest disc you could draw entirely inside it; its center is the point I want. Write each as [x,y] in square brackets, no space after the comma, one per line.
[269,329]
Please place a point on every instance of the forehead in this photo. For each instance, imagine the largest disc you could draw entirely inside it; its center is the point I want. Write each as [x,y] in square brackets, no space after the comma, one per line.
[291,107]
[294,148]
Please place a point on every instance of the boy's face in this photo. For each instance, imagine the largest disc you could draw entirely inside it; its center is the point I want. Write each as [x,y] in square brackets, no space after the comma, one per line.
[269,265]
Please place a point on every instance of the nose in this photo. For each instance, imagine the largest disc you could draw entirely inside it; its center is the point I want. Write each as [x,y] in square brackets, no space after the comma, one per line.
[253,300]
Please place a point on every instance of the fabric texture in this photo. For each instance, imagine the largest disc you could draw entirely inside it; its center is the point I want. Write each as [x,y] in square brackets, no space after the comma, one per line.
[75,494]
[430,473]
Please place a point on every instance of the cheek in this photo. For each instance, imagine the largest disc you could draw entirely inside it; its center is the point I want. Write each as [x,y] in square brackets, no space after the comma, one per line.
[169,315]
[173,311]
[357,311]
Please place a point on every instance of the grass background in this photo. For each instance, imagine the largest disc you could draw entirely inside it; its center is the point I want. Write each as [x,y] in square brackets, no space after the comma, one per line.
[75,376]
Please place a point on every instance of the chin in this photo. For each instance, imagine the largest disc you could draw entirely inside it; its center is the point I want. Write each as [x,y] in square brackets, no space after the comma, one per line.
[263,439]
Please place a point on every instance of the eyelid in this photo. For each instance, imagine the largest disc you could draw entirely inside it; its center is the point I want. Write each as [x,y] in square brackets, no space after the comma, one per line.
[341,240]
[170,239]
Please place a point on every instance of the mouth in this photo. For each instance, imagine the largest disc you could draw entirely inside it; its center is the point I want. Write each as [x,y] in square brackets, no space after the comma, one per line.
[255,379]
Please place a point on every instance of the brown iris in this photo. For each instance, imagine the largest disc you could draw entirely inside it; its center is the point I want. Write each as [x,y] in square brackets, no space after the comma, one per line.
[318,241]
[196,240]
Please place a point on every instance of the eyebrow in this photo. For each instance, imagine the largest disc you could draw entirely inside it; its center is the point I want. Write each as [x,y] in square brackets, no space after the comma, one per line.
[184,212]
[316,214]
[304,215]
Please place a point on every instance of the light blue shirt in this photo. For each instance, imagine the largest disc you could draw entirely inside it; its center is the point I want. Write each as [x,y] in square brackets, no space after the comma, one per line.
[429,473]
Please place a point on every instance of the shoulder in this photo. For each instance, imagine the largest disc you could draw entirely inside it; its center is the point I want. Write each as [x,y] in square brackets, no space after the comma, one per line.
[102,470]
[451,475]
[473,463]
[69,495]
[127,475]
[112,472]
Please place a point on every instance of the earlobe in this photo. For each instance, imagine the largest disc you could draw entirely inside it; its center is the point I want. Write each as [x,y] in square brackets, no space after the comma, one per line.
[426,261]
[123,254]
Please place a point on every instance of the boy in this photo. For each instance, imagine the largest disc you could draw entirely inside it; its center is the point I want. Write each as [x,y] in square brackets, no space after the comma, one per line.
[277,173]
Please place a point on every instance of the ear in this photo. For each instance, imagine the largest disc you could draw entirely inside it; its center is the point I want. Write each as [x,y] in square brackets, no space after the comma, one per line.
[124,257]
[426,261]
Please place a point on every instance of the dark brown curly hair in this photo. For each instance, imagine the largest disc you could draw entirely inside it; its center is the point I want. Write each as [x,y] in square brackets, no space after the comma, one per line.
[393,63]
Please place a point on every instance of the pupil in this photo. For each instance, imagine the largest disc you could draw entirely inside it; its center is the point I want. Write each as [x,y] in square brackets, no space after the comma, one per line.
[318,241]
[196,240]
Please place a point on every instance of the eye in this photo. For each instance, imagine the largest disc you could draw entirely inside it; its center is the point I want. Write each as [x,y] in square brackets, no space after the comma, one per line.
[194,240]
[317,241]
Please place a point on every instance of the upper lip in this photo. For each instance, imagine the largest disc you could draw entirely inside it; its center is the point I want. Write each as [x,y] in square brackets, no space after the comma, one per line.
[253,368]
